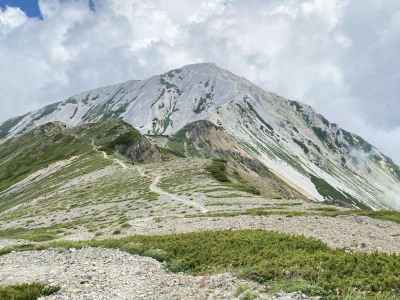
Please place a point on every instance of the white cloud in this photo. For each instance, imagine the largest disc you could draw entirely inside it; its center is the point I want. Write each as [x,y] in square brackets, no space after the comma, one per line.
[10,18]
[338,55]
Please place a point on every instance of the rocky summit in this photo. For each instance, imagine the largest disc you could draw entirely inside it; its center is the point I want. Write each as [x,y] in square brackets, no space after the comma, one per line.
[194,184]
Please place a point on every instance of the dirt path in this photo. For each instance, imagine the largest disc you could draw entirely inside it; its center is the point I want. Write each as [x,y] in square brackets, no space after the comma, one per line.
[106,156]
[156,180]
[156,189]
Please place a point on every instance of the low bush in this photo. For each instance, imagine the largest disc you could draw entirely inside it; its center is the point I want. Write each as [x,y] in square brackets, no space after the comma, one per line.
[267,257]
[217,170]
[26,291]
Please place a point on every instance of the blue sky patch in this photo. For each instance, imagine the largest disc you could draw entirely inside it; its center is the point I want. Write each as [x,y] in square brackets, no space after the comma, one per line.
[30,7]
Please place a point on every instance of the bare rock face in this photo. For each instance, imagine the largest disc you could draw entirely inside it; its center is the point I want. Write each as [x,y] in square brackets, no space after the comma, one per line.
[205,139]
[143,151]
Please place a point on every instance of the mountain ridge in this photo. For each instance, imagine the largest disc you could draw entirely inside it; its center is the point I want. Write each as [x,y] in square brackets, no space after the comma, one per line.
[296,143]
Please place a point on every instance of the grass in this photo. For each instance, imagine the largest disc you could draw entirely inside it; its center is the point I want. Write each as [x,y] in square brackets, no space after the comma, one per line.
[254,212]
[34,235]
[126,140]
[334,195]
[218,170]
[303,264]
[31,291]
[26,155]
[385,215]
[265,212]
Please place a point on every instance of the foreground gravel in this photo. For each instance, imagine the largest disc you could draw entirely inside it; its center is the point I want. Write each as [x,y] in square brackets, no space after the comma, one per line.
[94,273]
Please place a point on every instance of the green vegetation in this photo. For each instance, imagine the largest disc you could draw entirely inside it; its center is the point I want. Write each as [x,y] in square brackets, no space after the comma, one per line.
[177,142]
[326,209]
[46,189]
[264,212]
[386,215]
[34,151]
[47,144]
[332,194]
[333,212]
[268,258]
[8,125]
[181,141]
[125,140]
[31,291]
[41,234]
[321,134]
[244,292]
[217,170]
[109,133]
[256,212]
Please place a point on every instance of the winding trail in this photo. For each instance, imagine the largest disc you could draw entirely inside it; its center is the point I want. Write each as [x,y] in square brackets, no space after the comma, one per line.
[154,185]
[106,156]
[156,189]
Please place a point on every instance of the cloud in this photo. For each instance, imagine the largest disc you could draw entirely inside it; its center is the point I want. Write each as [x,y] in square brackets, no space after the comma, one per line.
[10,18]
[338,55]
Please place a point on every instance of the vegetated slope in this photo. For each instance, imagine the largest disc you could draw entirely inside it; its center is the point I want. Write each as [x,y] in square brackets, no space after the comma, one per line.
[231,162]
[53,151]
[298,145]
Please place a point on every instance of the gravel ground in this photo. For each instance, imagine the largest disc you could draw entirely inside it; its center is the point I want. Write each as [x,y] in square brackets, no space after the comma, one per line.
[93,273]
[349,232]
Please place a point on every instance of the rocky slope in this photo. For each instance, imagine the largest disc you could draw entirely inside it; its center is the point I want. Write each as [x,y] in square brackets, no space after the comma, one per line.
[313,156]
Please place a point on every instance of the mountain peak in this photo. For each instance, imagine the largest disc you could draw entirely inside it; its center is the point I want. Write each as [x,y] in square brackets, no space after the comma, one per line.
[297,144]
[204,65]
[206,69]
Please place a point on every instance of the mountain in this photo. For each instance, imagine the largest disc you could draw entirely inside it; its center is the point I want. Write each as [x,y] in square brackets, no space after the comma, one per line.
[291,141]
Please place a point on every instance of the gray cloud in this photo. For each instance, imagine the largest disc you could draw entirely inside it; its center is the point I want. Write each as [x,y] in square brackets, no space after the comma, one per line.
[338,55]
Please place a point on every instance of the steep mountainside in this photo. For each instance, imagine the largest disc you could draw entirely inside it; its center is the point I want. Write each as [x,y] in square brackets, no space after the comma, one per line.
[299,146]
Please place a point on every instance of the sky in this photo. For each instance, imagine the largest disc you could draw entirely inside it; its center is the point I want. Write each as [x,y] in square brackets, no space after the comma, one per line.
[340,56]
[30,7]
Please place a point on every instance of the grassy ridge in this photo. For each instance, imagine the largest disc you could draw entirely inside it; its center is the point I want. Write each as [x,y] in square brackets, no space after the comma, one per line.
[266,257]
[26,155]
[26,291]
